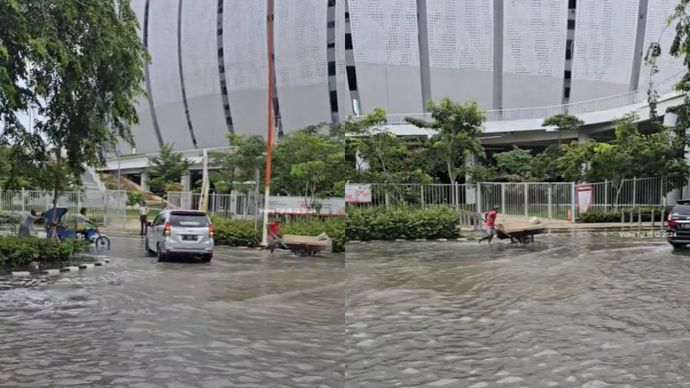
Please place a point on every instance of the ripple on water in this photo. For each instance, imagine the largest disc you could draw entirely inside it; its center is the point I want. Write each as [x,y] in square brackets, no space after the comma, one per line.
[572,310]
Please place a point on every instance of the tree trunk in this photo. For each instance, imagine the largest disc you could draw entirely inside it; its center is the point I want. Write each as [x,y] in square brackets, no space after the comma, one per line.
[56,193]
[618,193]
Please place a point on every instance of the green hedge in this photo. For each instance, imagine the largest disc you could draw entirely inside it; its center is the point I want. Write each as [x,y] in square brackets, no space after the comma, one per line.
[21,251]
[599,216]
[401,223]
[241,233]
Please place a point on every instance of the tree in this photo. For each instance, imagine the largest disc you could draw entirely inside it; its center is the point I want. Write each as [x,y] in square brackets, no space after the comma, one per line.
[81,62]
[563,121]
[630,155]
[457,130]
[309,150]
[515,165]
[240,164]
[375,155]
[544,166]
[165,168]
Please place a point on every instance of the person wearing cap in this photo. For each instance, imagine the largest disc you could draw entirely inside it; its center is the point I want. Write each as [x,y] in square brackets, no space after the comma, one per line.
[490,225]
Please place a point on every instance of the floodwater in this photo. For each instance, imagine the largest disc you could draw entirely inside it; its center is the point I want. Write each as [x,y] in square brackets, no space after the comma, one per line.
[582,310]
[246,319]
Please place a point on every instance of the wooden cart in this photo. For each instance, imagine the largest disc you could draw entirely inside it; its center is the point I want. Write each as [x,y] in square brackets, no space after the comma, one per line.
[522,232]
[306,245]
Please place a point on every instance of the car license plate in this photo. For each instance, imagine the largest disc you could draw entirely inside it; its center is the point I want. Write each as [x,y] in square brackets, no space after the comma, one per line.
[188,237]
[683,226]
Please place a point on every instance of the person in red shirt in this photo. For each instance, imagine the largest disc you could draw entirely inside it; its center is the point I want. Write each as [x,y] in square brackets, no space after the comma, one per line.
[490,225]
[273,235]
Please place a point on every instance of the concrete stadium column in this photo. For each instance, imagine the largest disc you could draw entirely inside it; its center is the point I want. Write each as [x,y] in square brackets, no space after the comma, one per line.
[144,181]
[583,137]
[186,182]
[470,192]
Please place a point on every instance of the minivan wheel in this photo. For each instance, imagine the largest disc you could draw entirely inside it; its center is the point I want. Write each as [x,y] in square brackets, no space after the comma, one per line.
[161,256]
[678,245]
[207,258]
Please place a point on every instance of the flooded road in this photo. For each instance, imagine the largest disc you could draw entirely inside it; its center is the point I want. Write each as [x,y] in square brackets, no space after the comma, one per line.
[247,319]
[572,311]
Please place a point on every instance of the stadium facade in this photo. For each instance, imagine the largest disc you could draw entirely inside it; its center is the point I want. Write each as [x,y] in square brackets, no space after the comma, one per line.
[340,58]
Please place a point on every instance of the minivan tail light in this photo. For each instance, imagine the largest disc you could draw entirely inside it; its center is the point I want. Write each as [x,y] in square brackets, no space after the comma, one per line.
[211,230]
[166,230]
[670,216]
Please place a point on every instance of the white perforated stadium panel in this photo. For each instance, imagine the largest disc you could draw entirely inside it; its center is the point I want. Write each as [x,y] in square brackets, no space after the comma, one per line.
[200,66]
[302,62]
[605,40]
[344,103]
[385,32]
[244,37]
[534,36]
[300,42]
[669,67]
[386,51]
[164,71]
[144,135]
[461,34]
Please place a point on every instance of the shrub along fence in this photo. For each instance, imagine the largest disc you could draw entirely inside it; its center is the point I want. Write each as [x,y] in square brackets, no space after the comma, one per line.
[380,223]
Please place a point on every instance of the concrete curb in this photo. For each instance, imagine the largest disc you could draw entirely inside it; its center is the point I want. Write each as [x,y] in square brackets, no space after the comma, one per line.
[72,268]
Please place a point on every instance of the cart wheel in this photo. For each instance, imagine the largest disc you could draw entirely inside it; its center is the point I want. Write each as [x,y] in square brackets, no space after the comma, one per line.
[303,251]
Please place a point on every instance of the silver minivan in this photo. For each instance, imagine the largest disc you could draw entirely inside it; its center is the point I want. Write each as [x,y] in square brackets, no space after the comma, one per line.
[180,233]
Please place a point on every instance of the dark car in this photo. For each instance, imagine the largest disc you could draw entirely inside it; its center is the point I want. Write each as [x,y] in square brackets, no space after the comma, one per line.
[679,224]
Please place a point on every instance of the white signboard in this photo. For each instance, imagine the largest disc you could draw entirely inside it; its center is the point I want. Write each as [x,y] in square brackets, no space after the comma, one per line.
[302,205]
[356,193]
[584,196]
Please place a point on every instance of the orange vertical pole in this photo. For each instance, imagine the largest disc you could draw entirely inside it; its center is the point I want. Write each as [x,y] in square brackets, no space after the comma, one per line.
[271,118]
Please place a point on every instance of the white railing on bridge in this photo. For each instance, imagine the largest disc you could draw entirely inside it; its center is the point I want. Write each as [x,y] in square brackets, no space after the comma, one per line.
[578,107]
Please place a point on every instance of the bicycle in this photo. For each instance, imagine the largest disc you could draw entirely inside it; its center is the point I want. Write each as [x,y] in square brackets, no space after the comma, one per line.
[94,236]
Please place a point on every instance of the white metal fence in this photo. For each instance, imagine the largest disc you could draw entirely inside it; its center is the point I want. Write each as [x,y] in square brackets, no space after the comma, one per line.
[104,207]
[552,200]
[236,205]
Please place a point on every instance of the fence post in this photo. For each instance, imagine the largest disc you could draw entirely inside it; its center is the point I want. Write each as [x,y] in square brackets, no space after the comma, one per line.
[549,193]
[526,199]
[606,195]
[634,198]
[456,195]
[503,197]
[662,200]
[105,208]
[479,197]
[23,200]
[386,198]
[421,195]
[572,200]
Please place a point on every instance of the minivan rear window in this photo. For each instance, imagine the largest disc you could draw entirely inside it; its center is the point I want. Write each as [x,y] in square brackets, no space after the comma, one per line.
[189,220]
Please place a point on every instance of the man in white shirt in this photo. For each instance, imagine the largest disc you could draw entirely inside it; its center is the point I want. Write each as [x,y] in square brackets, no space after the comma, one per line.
[27,223]
[143,218]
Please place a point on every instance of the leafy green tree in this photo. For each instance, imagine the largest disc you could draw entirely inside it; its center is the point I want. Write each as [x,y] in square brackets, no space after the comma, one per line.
[81,62]
[240,164]
[166,168]
[562,122]
[306,150]
[375,155]
[457,130]
[544,166]
[515,165]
